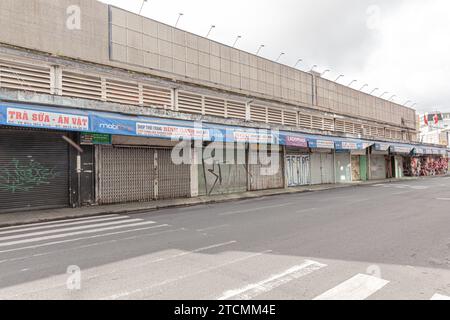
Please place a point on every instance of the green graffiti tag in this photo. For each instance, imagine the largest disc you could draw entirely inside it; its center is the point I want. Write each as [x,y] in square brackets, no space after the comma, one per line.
[19,177]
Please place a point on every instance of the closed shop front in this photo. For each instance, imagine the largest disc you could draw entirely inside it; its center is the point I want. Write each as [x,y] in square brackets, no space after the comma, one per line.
[34,170]
[265,177]
[343,167]
[398,162]
[322,167]
[359,165]
[378,169]
[298,169]
[219,175]
[139,174]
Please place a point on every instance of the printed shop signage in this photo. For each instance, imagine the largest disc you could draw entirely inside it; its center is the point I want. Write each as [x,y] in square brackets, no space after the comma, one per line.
[293,141]
[321,144]
[253,137]
[173,132]
[345,145]
[46,119]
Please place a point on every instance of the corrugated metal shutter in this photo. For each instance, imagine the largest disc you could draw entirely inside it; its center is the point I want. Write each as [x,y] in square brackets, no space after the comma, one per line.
[377,167]
[298,170]
[174,181]
[343,167]
[125,174]
[139,174]
[260,181]
[322,168]
[34,170]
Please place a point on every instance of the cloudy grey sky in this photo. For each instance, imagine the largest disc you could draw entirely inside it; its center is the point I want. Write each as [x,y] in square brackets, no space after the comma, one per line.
[399,46]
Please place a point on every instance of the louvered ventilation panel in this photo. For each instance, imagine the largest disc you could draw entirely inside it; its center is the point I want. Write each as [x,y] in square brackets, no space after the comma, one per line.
[358,129]
[81,86]
[305,121]
[157,97]
[24,77]
[328,124]
[275,116]
[340,126]
[290,118]
[235,110]
[258,113]
[214,107]
[122,92]
[349,128]
[380,132]
[317,123]
[190,103]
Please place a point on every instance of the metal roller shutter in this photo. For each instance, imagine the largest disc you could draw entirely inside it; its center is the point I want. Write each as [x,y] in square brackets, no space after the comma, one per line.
[174,181]
[125,174]
[260,181]
[34,170]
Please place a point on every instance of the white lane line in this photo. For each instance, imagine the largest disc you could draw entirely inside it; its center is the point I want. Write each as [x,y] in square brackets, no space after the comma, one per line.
[85,238]
[253,290]
[305,210]
[63,225]
[90,226]
[438,296]
[213,228]
[443,199]
[179,278]
[65,235]
[359,287]
[256,209]
[57,222]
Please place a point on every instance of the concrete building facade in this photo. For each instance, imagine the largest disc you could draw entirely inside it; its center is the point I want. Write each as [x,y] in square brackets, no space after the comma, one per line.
[104,92]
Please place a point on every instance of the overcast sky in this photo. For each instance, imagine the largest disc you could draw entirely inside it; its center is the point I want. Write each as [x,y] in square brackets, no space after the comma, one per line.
[399,46]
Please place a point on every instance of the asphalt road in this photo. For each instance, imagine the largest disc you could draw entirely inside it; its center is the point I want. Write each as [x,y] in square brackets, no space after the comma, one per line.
[387,241]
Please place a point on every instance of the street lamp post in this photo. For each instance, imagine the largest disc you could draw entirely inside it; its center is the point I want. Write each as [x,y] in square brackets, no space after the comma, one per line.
[178,20]
[353,81]
[386,92]
[392,98]
[373,91]
[142,6]
[326,71]
[279,57]
[298,61]
[259,49]
[313,67]
[210,29]
[364,86]
[235,41]
[340,76]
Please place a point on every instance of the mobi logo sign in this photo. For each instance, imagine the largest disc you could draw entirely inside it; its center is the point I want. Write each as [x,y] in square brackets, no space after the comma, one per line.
[115,127]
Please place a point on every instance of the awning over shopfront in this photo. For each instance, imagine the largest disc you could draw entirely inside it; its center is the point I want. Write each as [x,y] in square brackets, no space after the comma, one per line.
[66,119]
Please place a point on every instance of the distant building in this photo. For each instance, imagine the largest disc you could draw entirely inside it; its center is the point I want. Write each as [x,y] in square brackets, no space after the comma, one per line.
[435,128]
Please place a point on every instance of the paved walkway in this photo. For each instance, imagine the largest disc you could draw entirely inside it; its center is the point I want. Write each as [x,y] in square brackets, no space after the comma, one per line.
[12,219]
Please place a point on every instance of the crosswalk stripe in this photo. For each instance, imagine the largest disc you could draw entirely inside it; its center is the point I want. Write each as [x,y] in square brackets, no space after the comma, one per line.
[359,287]
[63,224]
[40,233]
[59,236]
[253,290]
[47,244]
[438,296]
[56,222]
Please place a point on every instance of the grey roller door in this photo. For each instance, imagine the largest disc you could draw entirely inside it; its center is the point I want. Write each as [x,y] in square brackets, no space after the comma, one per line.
[125,174]
[34,170]
[263,179]
[377,167]
[139,174]
[298,170]
[174,181]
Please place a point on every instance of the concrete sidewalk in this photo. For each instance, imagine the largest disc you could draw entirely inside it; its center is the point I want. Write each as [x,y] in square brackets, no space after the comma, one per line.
[20,218]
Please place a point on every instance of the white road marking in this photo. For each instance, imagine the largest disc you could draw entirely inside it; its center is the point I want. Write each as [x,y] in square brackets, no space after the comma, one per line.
[56,222]
[213,228]
[59,236]
[359,287]
[96,225]
[438,296]
[256,209]
[88,245]
[443,199]
[305,210]
[168,281]
[62,225]
[253,290]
